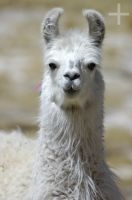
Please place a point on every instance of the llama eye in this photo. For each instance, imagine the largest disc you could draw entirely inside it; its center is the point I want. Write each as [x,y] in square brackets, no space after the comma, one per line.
[91,66]
[52,66]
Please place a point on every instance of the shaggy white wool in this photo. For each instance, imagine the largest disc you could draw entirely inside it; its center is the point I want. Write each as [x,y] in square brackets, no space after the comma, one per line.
[16,160]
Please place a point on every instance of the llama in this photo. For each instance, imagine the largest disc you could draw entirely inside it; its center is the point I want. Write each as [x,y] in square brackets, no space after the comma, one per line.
[71,162]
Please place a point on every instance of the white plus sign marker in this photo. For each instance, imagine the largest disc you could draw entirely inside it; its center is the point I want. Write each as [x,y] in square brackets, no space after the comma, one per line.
[119,14]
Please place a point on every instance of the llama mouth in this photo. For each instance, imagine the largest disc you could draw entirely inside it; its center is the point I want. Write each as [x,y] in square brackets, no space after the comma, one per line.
[70,91]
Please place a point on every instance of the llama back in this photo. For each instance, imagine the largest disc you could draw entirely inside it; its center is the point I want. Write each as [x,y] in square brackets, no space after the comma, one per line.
[16,160]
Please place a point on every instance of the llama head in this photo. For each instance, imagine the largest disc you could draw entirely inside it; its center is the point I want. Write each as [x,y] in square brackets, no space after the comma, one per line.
[72,60]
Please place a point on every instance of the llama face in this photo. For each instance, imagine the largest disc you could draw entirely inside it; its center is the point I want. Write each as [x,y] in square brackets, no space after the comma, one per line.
[72,60]
[72,64]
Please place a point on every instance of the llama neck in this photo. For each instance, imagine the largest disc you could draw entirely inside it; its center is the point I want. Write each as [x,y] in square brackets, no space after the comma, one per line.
[71,141]
[75,130]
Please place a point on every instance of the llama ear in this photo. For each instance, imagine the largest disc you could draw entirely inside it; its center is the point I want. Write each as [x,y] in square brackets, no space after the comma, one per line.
[50,28]
[96,26]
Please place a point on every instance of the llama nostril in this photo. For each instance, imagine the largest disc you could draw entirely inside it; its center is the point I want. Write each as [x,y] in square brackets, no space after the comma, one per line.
[72,76]
[76,76]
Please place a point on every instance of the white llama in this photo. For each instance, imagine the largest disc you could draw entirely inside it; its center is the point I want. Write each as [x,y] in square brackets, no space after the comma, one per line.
[71,162]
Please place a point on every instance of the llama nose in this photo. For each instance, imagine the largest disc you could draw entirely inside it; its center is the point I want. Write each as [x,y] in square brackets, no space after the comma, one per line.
[72,76]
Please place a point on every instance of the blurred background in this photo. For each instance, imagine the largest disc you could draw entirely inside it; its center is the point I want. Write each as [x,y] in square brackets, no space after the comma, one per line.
[21,71]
